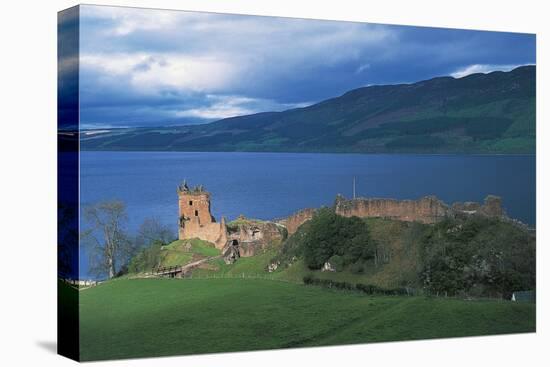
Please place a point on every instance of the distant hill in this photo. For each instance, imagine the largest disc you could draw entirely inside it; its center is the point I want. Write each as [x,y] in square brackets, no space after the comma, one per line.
[479,113]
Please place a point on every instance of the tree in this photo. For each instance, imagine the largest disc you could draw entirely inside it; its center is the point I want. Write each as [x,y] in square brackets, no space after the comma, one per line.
[329,234]
[321,239]
[478,255]
[151,231]
[109,247]
[150,238]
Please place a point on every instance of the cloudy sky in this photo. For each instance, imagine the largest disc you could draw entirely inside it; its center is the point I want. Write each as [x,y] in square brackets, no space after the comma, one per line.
[143,67]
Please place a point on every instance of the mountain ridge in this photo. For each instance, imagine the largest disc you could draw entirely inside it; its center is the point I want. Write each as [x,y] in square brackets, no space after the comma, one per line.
[479,113]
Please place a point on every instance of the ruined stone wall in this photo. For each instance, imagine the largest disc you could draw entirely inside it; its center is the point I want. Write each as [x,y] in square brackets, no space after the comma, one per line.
[428,209]
[211,232]
[492,207]
[297,219]
[254,236]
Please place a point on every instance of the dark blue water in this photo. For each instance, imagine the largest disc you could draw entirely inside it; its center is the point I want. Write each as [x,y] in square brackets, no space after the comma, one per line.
[273,185]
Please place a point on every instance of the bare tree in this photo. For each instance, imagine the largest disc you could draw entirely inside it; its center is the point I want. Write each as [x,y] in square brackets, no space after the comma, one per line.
[151,231]
[107,243]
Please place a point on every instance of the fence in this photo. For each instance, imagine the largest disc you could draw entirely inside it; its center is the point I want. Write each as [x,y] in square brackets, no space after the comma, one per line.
[368,289]
[167,270]
[237,276]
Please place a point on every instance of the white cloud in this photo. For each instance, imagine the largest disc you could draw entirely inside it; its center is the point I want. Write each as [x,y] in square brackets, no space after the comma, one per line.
[129,20]
[362,68]
[224,106]
[209,52]
[214,112]
[150,72]
[482,68]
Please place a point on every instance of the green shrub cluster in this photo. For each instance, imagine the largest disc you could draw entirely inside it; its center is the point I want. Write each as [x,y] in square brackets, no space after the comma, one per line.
[345,241]
[146,259]
[364,288]
[479,256]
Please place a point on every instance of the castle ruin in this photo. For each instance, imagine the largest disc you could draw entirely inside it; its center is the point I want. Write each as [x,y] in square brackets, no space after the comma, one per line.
[195,219]
[247,237]
[242,238]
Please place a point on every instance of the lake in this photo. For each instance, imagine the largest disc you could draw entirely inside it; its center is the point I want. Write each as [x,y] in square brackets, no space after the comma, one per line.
[274,185]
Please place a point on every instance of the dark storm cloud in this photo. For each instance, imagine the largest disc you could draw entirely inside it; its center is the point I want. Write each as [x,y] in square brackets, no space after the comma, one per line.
[150,67]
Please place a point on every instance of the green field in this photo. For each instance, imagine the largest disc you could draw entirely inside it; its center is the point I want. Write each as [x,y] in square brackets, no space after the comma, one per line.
[161,317]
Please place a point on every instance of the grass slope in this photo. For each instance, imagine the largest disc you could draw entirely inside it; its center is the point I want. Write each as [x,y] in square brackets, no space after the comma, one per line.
[161,317]
[182,252]
[250,266]
[400,238]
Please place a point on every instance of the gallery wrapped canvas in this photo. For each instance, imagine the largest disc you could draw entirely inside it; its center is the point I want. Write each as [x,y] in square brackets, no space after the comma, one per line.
[235,183]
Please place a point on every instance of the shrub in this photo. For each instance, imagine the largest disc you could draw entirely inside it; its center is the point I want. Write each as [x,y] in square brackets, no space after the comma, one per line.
[330,236]
[357,267]
[146,259]
[337,262]
[478,255]
[308,279]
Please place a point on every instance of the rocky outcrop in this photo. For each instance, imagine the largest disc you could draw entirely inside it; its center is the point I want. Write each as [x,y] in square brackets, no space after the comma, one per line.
[273,266]
[328,267]
[231,252]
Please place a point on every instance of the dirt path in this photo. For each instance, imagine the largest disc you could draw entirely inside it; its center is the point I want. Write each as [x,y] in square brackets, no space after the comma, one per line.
[198,262]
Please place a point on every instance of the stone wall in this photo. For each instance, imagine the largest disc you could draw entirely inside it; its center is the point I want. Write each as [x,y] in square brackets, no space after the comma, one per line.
[297,219]
[254,236]
[491,207]
[428,209]
[211,232]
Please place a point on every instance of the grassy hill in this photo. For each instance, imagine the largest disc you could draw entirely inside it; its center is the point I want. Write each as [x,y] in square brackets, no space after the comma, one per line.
[470,255]
[400,240]
[161,317]
[475,256]
[479,113]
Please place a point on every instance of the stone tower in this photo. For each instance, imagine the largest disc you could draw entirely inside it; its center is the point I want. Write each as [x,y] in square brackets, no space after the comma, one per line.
[195,219]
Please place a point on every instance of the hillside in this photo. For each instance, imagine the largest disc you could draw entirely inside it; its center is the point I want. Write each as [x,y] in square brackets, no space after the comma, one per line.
[473,256]
[479,113]
[162,317]
[177,253]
